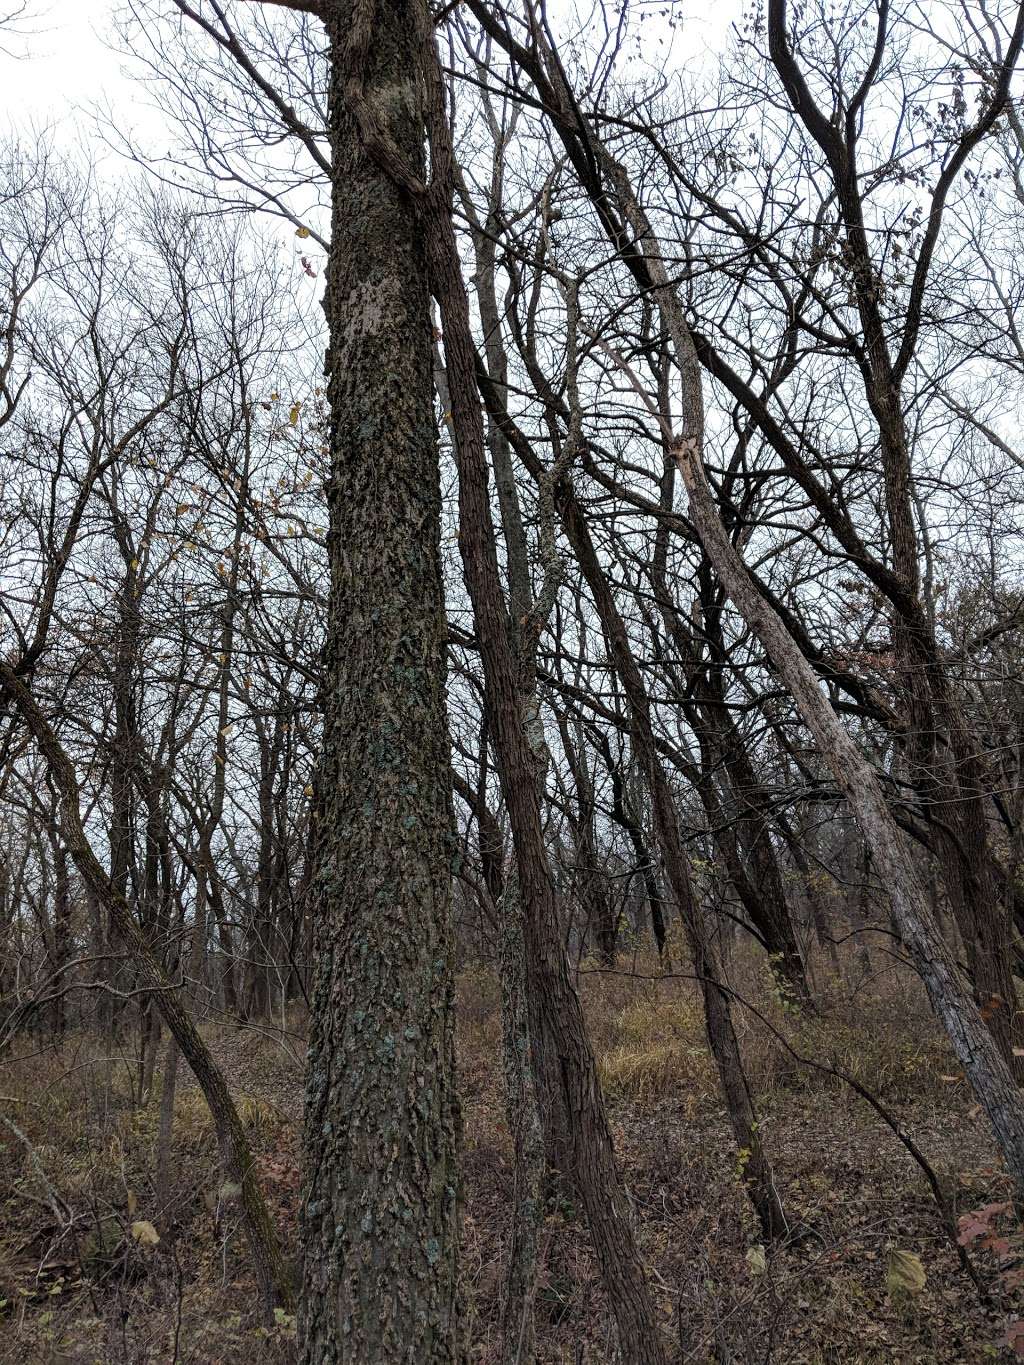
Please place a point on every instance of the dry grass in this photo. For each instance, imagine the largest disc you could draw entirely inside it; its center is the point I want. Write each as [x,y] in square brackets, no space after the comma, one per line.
[76,1287]
[656,1049]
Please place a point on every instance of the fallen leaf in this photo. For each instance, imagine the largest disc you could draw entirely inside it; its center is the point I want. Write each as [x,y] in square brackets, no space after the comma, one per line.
[905,1273]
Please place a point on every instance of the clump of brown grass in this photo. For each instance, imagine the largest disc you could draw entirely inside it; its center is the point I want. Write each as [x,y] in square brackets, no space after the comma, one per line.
[658,1049]
[648,1036]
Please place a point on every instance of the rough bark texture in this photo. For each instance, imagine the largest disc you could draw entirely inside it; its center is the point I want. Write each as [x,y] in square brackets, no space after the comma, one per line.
[380,1201]
[565,1061]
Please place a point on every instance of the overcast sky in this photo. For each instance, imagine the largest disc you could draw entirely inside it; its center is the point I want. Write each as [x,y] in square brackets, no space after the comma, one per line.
[59,62]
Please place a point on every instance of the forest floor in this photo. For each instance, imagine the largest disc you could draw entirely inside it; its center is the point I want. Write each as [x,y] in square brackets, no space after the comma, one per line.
[77,1161]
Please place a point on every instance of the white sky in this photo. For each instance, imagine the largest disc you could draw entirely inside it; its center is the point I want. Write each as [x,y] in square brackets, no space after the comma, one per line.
[61,64]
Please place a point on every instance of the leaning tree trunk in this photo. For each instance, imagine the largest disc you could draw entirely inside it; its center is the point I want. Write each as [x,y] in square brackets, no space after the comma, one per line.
[271,1273]
[380,1212]
[944,757]
[975,1047]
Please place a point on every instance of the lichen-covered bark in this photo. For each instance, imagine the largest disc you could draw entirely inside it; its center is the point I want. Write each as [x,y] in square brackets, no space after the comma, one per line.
[380,1205]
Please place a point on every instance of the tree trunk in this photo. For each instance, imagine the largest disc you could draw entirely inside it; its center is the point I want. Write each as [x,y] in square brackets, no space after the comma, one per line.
[380,1214]
[944,757]
[271,1274]
[975,1047]
[756,1169]
[573,1110]
[627,821]
[518,1329]
[165,1130]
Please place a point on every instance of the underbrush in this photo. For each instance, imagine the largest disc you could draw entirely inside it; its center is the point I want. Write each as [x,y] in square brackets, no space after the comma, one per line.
[96,1265]
[650,1041]
[78,1144]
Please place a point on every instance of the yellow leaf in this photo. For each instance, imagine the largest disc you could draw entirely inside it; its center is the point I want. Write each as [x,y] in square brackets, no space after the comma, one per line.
[293,413]
[145,1233]
[308,789]
[905,1274]
[757,1260]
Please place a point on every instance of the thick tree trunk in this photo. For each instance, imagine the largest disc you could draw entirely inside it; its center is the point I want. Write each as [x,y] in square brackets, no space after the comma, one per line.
[380,1214]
